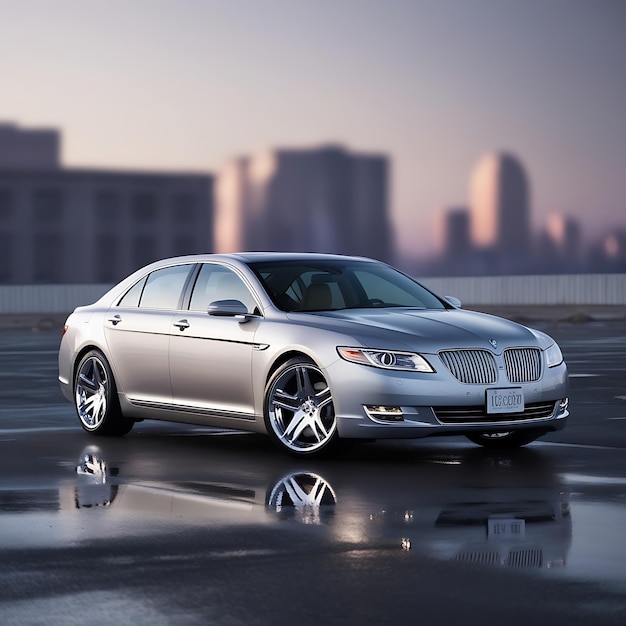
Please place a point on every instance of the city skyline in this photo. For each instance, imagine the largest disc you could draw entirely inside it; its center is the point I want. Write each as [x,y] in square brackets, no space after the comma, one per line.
[60,223]
[435,85]
[492,235]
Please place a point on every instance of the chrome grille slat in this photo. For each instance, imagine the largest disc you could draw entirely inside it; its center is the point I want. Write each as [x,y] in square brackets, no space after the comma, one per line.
[523,365]
[480,558]
[525,558]
[471,366]
[478,367]
[518,559]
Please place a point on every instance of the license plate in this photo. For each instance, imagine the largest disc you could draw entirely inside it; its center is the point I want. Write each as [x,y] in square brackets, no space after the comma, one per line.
[501,528]
[509,400]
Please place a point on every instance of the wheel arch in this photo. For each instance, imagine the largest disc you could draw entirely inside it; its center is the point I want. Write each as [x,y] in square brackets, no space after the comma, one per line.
[287,356]
[79,357]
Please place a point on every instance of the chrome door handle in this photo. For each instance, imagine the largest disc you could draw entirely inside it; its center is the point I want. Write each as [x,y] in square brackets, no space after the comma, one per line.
[115,320]
[181,324]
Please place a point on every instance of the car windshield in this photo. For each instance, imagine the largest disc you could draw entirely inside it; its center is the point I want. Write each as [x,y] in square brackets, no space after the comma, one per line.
[336,284]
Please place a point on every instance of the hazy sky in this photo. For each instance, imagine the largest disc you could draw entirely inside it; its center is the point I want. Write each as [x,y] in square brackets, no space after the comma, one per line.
[434,84]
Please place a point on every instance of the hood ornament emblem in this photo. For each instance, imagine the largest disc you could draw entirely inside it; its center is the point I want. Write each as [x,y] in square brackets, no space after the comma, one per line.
[494,343]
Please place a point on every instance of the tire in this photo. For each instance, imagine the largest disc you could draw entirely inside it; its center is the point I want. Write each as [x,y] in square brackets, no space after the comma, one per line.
[505,440]
[298,409]
[95,397]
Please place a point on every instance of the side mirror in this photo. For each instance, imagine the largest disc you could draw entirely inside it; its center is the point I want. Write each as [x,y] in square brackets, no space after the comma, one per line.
[455,302]
[227,308]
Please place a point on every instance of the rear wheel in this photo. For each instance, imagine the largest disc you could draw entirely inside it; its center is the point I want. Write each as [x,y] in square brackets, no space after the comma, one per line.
[95,397]
[299,412]
[508,439]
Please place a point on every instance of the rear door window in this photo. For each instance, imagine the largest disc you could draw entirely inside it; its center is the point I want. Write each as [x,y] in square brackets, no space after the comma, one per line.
[163,289]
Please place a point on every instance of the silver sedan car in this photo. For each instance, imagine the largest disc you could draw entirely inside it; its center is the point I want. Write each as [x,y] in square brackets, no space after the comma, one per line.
[310,349]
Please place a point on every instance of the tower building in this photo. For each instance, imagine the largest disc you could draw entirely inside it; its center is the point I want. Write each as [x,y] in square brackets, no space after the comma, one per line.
[309,200]
[500,211]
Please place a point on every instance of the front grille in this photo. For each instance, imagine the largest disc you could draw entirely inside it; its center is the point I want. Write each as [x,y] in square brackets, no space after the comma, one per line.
[476,367]
[477,414]
[523,365]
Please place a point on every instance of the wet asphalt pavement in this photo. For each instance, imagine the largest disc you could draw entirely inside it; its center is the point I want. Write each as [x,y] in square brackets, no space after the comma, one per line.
[177,524]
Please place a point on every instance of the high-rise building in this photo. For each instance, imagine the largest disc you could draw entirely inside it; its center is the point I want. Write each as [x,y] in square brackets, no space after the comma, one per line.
[500,208]
[565,233]
[614,247]
[68,225]
[454,233]
[452,242]
[316,200]
[32,148]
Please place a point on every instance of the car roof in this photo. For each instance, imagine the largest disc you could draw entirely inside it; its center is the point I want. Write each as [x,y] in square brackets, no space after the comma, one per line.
[247,257]
[293,256]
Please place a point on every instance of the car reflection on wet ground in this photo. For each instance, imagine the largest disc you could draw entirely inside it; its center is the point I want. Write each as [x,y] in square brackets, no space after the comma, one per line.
[471,506]
[180,524]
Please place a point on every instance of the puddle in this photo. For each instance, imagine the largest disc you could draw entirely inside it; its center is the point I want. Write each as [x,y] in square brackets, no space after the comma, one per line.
[598,549]
[495,510]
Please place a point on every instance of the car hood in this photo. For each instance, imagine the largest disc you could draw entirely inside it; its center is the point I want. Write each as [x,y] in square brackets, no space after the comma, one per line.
[430,330]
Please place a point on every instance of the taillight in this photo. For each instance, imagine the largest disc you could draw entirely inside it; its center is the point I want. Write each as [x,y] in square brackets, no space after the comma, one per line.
[64,330]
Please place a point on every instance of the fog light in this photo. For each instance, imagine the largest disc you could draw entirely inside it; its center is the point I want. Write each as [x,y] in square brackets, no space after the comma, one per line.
[382,413]
[563,405]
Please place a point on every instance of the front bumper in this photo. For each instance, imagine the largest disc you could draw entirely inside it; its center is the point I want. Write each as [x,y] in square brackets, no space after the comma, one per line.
[377,403]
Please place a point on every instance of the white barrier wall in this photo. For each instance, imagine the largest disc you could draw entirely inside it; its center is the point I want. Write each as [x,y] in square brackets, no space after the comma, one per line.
[47,298]
[576,289]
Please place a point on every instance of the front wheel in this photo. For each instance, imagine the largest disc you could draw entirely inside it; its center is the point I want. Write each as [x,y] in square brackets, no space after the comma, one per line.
[509,439]
[95,397]
[298,409]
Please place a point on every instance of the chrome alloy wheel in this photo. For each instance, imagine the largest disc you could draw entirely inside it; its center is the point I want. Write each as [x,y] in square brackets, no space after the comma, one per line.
[95,397]
[299,408]
[92,392]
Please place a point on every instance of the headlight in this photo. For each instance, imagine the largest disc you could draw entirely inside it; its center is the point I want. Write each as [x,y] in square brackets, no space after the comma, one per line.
[386,359]
[554,355]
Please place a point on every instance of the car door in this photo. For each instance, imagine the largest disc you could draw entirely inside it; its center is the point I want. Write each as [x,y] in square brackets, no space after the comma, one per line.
[137,332]
[211,356]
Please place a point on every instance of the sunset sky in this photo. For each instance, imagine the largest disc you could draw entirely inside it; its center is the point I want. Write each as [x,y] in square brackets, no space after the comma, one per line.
[434,84]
